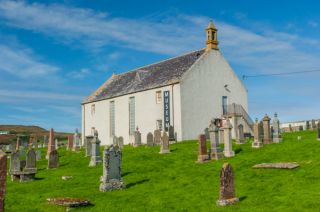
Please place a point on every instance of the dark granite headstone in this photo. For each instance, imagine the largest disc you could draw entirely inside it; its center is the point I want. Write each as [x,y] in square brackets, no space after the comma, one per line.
[149,139]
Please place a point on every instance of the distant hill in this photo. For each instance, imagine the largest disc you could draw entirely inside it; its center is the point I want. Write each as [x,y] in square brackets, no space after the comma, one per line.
[34,131]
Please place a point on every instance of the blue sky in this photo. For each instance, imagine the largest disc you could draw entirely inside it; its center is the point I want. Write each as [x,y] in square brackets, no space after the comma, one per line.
[55,53]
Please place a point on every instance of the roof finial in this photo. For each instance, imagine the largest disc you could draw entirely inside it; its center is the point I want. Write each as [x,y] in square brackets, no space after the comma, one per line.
[212,37]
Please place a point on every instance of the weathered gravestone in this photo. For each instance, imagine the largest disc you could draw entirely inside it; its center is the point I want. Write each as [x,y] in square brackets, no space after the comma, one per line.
[114,140]
[240,138]
[157,137]
[111,178]
[95,147]
[227,139]
[164,147]
[31,161]
[120,142]
[206,132]
[171,133]
[318,130]
[53,161]
[38,154]
[227,191]
[56,142]
[88,144]
[313,124]
[215,151]
[149,139]
[70,142]
[3,175]
[76,141]
[202,148]
[257,134]
[266,130]
[307,125]
[137,138]
[18,169]
[276,136]
[51,144]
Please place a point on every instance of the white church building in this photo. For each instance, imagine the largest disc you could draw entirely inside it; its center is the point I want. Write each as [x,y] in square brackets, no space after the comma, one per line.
[183,92]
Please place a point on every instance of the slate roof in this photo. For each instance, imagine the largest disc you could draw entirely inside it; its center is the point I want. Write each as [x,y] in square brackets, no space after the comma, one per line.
[156,75]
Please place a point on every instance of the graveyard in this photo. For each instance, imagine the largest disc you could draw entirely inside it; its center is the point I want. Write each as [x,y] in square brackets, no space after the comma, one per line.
[176,182]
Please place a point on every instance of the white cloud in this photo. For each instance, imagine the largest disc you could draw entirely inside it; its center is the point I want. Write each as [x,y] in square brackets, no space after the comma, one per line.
[22,63]
[82,73]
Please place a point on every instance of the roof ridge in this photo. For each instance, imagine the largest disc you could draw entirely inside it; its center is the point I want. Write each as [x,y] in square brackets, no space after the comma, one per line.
[161,61]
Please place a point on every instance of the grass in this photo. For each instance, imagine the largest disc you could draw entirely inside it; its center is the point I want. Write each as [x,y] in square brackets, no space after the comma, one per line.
[174,182]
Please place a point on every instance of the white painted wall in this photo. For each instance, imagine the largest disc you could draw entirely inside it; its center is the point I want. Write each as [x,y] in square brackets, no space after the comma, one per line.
[147,111]
[202,88]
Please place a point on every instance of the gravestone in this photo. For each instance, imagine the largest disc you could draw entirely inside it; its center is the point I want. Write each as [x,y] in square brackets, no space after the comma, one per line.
[257,134]
[56,142]
[149,139]
[227,191]
[290,128]
[53,161]
[111,178]
[70,142]
[227,139]
[18,144]
[114,140]
[266,130]
[307,125]
[221,136]
[157,137]
[240,138]
[76,141]
[276,136]
[88,145]
[215,151]
[95,147]
[137,138]
[171,133]
[3,175]
[202,148]
[51,143]
[164,147]
[318,130]
[206,132]
[31,164]
[38,155]
[313,124]
[15,165]
[300,128]
[120,142]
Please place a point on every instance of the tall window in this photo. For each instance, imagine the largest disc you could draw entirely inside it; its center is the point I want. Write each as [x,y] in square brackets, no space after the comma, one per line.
[132,115]
[224,105]
[112,118]
[158,97]
[93,109]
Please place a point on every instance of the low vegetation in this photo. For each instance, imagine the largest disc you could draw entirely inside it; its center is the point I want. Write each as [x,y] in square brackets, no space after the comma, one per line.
[175,182]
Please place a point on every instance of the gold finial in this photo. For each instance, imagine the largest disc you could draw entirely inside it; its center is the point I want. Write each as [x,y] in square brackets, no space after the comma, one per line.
[212,37]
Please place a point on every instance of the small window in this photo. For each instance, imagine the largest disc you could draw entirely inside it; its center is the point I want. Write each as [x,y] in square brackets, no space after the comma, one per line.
[159,124]
[224,105]
[158,97]
[93,109]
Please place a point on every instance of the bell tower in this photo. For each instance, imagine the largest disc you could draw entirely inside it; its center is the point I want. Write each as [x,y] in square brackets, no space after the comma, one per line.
[212,37]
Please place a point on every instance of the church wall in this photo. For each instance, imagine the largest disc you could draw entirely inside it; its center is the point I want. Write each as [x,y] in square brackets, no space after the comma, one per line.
[147,112]
[202,88]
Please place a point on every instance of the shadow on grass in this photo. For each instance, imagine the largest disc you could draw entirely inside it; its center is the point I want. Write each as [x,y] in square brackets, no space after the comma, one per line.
[126,173]
[238,150]
[242,198]
[137,183]
[38,178]
[173,150]
[64,164]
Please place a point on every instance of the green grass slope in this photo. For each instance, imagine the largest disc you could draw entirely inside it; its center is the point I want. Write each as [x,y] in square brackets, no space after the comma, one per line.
[174,182]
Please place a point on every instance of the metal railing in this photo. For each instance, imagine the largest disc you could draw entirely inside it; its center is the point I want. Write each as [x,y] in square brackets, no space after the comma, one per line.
[238,110]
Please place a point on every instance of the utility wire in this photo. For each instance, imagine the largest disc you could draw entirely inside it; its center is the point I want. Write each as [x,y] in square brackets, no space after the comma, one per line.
[278,74]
